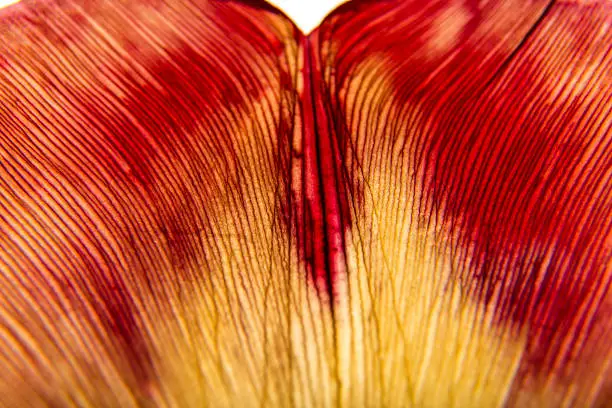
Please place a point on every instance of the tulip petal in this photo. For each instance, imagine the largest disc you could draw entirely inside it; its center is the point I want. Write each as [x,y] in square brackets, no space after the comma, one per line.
[477,148]
[144,173]
[202,206]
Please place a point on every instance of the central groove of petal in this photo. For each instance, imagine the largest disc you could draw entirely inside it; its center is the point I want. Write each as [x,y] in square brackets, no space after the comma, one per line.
[323,214]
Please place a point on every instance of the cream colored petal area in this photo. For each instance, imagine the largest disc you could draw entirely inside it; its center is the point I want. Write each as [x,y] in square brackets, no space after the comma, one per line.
[409,335]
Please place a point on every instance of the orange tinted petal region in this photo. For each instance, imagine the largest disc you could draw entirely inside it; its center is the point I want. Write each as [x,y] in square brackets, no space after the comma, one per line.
[201,206]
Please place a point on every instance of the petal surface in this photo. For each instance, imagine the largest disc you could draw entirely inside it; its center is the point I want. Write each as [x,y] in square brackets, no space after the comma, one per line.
[200,206]
[477,152]
[144,169]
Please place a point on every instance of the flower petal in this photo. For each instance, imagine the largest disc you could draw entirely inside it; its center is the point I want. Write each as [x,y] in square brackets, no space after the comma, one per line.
[202,206]
[145,151]
[477,135]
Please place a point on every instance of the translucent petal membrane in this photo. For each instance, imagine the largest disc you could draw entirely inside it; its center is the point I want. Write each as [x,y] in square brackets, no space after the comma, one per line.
[200,206]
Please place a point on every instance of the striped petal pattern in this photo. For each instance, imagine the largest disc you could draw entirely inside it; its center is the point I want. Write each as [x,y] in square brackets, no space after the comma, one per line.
[201,206]
[144,151]
[478,139]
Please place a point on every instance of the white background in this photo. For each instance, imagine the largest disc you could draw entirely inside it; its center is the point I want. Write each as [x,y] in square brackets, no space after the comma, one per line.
[307,14]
